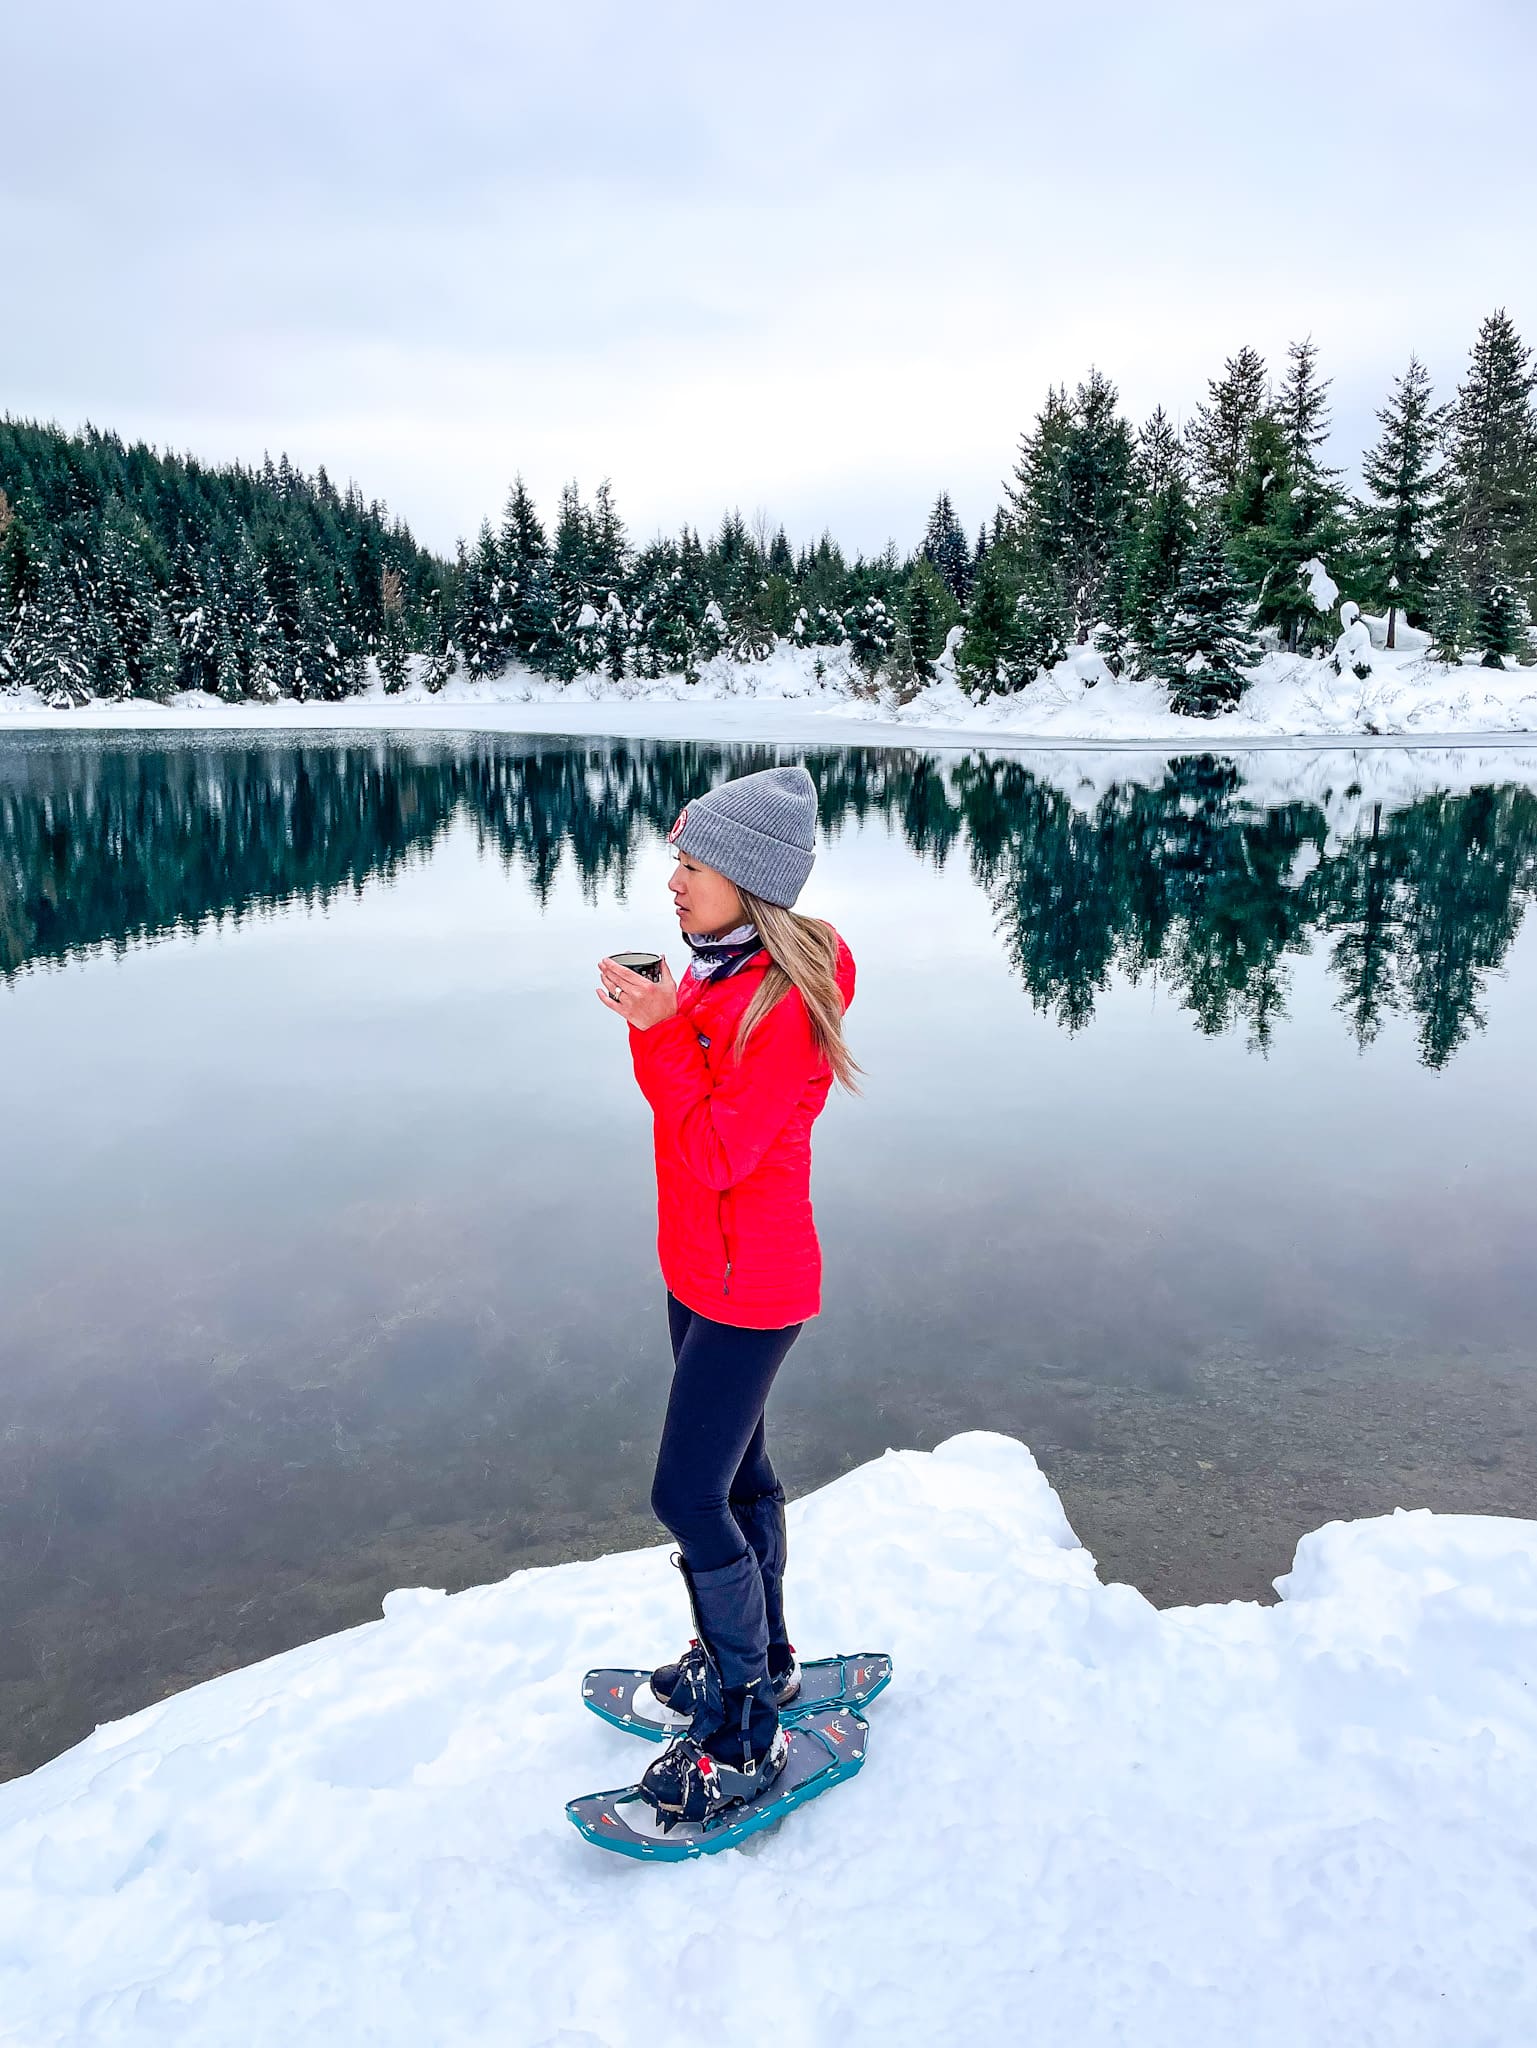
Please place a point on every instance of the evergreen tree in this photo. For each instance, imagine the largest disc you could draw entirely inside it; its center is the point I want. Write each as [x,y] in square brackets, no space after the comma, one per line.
[616,638]
[945,549]
[442,655]
[1302,409]
[480,630]
[991,657]
[524,556]
[923,619]
[1451,617]
[1490,507]
[1163,525]
[870,629]
[750,632]
[1207,645]
[780,560]
[1499,623]
[54,648]
[1069,499]
[195,620]
[18,589]
[1397,522]
[229,684]
[608,549]
[394,646]
[1218,435]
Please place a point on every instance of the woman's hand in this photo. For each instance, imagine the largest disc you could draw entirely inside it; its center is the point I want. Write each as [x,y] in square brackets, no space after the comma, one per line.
[639,1001]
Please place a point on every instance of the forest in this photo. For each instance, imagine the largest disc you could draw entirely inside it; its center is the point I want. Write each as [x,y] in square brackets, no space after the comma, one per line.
[1181,552]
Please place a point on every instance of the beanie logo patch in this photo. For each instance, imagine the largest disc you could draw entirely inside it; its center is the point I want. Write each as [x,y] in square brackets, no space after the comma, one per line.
[677,824]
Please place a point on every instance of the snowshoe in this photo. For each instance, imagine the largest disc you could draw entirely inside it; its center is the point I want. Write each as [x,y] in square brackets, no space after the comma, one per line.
[632,1700]
[681,1685]
[817,1751]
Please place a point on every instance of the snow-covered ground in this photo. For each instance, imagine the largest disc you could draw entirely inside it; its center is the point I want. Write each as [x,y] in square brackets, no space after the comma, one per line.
[1082,1819]
[1406,697]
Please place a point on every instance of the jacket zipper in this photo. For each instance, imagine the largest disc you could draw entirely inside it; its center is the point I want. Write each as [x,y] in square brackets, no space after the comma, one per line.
[726,1287]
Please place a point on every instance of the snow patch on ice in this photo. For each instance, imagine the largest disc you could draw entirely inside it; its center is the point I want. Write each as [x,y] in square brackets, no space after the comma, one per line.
[1082,1819]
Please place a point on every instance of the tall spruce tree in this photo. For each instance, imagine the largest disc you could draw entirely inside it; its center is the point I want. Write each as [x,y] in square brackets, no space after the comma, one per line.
[1490,508]
[1163,525]
[1396,519]
[946,550]
[1069,500]
[1218,433]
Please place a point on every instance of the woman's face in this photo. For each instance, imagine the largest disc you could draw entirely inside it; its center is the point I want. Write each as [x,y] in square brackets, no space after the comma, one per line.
[706,902]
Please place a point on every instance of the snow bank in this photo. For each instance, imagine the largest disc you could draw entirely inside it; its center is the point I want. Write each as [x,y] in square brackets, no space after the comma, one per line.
[1082,1819]
[1407,696]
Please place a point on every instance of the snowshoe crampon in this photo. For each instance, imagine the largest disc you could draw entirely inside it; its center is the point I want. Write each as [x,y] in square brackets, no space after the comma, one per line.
[826,1745]
[625,1698]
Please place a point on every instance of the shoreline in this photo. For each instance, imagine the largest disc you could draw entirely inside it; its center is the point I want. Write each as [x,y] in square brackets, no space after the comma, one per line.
[775,722]
[1293,702]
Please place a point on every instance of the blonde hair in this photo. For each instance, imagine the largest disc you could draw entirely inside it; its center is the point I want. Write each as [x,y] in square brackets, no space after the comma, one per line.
[804,952]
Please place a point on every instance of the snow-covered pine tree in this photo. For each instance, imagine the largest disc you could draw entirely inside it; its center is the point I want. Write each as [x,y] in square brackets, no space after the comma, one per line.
[1069,501]
[870,630]
[229,684]
[442,655]
[1287,508]
[946,551]
[194,620]
[1163,525]
[989,659]
[1218,434]
[616,638]
[608,549]
[18,589]
[780,560]
[1395,522]
[254,626]
[54,649]
[524,554]
[106,669]
[1500,621]
[924,617]
[750,631]
[1207,645]
[478,630]
[1451,615]
[1489,511]
[672,627]
[394,643]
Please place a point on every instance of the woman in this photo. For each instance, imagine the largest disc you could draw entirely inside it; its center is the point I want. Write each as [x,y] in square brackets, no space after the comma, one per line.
[736,1062]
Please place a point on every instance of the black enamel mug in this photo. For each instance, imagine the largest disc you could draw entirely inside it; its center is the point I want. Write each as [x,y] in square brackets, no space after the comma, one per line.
[648,964]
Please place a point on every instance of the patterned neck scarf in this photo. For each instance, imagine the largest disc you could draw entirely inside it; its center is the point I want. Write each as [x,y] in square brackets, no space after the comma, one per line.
[716,958]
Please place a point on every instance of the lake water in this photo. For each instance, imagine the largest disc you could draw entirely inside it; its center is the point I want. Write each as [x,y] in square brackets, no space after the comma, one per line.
[1196,1147]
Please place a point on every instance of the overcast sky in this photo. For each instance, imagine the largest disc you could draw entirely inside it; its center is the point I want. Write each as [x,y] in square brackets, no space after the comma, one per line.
[815,260]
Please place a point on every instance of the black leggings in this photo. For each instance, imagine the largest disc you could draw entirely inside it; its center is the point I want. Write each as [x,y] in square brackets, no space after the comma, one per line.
[712,1450]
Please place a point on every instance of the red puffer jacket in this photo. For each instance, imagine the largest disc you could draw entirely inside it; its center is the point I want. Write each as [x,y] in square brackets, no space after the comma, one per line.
[735,1237]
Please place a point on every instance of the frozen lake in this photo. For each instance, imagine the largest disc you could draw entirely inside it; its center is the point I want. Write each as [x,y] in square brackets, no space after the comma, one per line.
[1196,1149]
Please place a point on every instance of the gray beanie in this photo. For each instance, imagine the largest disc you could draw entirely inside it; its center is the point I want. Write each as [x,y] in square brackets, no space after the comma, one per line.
[758,831]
